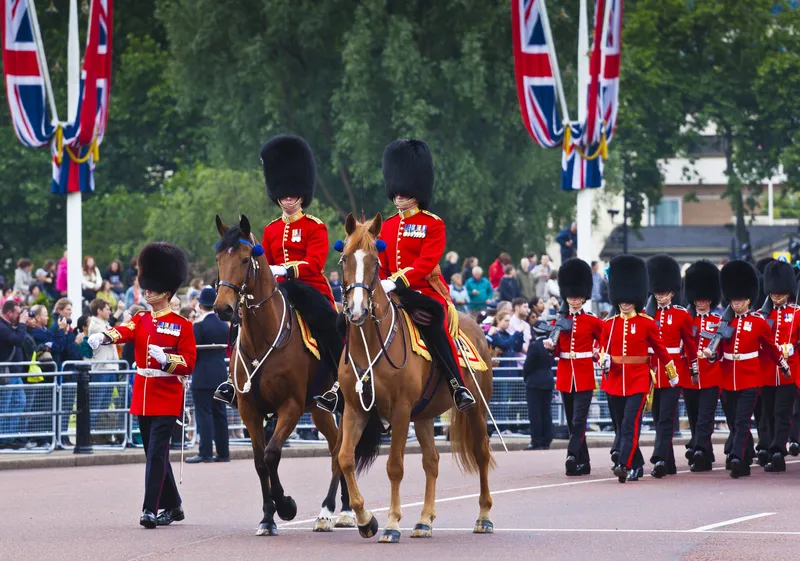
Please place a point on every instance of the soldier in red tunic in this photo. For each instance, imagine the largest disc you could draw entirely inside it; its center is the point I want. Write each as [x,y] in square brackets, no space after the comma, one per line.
[675,329]
[701,391]
[741,368]
[415,242]
[575,371]
[778,392]
[624,343]
[165,351]
[296,248]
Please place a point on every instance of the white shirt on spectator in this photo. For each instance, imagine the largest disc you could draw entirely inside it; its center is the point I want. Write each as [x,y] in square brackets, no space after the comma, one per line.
[103,352]
[517,324]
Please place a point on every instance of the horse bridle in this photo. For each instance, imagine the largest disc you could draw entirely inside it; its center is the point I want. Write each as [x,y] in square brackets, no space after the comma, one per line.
[251,274]
[368,288]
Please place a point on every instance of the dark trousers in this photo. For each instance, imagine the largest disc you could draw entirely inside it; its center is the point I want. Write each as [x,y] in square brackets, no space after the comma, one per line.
[627,415]
[212,423]
[576,408]
[739,409]
[160,490]
[701,408]
[665,408]
[794,431]
[776,410]
[540,416]
[761,429]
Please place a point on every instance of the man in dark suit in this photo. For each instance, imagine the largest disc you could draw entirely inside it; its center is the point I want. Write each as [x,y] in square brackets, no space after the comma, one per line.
[209,372]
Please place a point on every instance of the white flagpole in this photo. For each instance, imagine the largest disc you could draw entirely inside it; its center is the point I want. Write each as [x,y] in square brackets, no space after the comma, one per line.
[74,216]
[48,86]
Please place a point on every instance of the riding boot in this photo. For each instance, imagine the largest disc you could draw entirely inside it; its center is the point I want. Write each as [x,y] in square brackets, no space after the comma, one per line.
[331,346]
[226,393]
[437,342]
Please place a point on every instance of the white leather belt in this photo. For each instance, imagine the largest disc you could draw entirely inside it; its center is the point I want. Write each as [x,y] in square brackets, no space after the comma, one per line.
[739,356]
[576,355]
[153,373]
[670,350]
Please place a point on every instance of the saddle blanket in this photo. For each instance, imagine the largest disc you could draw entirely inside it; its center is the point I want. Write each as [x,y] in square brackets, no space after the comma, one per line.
[462,343]
[308,339]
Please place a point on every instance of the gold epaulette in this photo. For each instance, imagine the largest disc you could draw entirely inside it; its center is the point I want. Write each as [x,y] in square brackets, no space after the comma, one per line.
[315,219]
[644,315]
[609,318]
[276,220]
[429,213]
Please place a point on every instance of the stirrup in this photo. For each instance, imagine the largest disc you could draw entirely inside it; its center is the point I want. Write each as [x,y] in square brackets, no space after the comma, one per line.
[226,393]
[463,398]
[329,401]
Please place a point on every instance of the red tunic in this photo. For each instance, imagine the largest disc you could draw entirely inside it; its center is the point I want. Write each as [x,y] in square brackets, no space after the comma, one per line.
[161,395]
[710,371]
[299,243]
[627,339]
[675,329]
[785,331]
[741,367]
[575,370]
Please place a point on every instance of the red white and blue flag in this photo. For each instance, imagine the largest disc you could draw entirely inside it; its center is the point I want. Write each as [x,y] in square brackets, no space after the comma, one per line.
[24,80]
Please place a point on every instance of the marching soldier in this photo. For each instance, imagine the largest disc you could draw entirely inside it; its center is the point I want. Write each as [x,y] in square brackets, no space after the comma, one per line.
[296,247]
[741,368]
[575,372]
[701,392]
[778,392]
[674,325]
[165,353]
[624,342]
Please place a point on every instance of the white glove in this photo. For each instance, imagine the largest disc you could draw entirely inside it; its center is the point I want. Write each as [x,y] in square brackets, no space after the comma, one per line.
[158,353]
[673,382]
[388,285]
[96,339]
[789,350]
[278,270]
[605,362]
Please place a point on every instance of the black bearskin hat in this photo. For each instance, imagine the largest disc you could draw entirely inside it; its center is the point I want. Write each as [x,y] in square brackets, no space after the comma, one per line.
[408,170]
[779,278]
[739,279]
[702,283]
[761,264]
[664,274]
[163,267]
[575,279]
[289,168]
[627,281]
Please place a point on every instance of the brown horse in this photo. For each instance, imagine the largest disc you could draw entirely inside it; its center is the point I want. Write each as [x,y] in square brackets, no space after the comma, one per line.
[386,370]
[272,372]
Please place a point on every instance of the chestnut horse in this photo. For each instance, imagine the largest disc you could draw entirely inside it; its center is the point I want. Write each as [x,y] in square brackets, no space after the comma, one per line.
[385,369]
[272,372]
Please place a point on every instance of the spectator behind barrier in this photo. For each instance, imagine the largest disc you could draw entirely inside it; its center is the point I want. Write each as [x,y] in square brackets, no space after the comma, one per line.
[459,293]
[527,282]
[336,286]
[92,280]
[479,289]
[13,329]
[509,288]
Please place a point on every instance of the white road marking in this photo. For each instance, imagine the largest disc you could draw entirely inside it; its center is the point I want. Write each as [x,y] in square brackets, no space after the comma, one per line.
[732,521]
[358,294]
[589,531]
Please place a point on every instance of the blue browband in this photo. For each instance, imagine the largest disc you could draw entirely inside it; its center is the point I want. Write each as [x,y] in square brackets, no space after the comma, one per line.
[257,249]
[380,245]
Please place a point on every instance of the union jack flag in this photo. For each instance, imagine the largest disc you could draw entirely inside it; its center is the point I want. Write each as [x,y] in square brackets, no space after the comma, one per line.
[25,87]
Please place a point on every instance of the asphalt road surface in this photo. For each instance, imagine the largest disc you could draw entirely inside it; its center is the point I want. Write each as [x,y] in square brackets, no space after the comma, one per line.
[92,513]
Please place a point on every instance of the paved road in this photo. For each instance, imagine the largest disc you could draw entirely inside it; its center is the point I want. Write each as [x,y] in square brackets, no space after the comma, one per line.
[92,513]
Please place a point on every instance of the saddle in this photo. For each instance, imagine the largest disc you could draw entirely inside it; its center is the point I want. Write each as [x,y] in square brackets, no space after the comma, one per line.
[463,342]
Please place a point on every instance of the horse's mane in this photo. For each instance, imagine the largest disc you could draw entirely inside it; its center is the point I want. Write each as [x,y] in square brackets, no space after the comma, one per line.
[230,239]
[361,239]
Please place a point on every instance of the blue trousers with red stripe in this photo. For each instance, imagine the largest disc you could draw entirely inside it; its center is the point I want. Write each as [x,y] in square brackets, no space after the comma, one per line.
[627,413]
[160,490]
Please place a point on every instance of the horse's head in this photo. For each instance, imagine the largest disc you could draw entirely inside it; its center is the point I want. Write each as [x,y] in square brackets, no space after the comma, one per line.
[360,266]
[237,265]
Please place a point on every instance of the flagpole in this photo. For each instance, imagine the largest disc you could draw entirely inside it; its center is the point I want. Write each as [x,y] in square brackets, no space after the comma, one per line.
[74,214]
[48,86]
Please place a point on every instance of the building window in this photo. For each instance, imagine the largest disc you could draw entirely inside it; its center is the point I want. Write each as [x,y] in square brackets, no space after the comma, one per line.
[667,213]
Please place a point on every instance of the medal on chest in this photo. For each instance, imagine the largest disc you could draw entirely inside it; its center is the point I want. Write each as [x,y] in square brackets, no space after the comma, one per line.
[787,317]
[296,234]
[633,328]
[748,326]
[415,231]
[168,328]
[669,319]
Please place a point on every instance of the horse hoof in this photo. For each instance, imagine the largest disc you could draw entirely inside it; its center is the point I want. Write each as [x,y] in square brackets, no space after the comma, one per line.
[287,509]
[323,525]
[267,529]
[390,536]
[370,529]
[345,520]
[422,531]
[483,527]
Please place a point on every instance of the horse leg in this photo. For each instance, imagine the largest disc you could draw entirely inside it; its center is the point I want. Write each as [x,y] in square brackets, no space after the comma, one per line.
[288,415]
[483,456]
[255,426]
[354,421]
[346,519]
[394,469]
[430,463]
[327,426]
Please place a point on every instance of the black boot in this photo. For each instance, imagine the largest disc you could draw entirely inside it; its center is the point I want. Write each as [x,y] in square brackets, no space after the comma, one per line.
[763,457]
[634,474]
[699,462]
[794,448]
[571,465]
[226,394]
[167,517]
[777,464]
[621,472]
[148,519]
[614,459]
[329,401]
[659,470]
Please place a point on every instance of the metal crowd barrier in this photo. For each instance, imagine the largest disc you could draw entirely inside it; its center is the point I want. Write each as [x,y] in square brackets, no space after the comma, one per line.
[41,417]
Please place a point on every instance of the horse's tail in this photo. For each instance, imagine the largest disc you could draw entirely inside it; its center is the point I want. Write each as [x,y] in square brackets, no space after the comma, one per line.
[469,439]
[369,445]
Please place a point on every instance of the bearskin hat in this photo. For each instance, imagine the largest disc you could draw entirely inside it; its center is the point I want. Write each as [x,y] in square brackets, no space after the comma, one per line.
[163,267]
[289,168]
[408,170]
[739,279]
[664,274]
[761,264]
[575,279]
[627,281]
[702,283]
[779,278]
